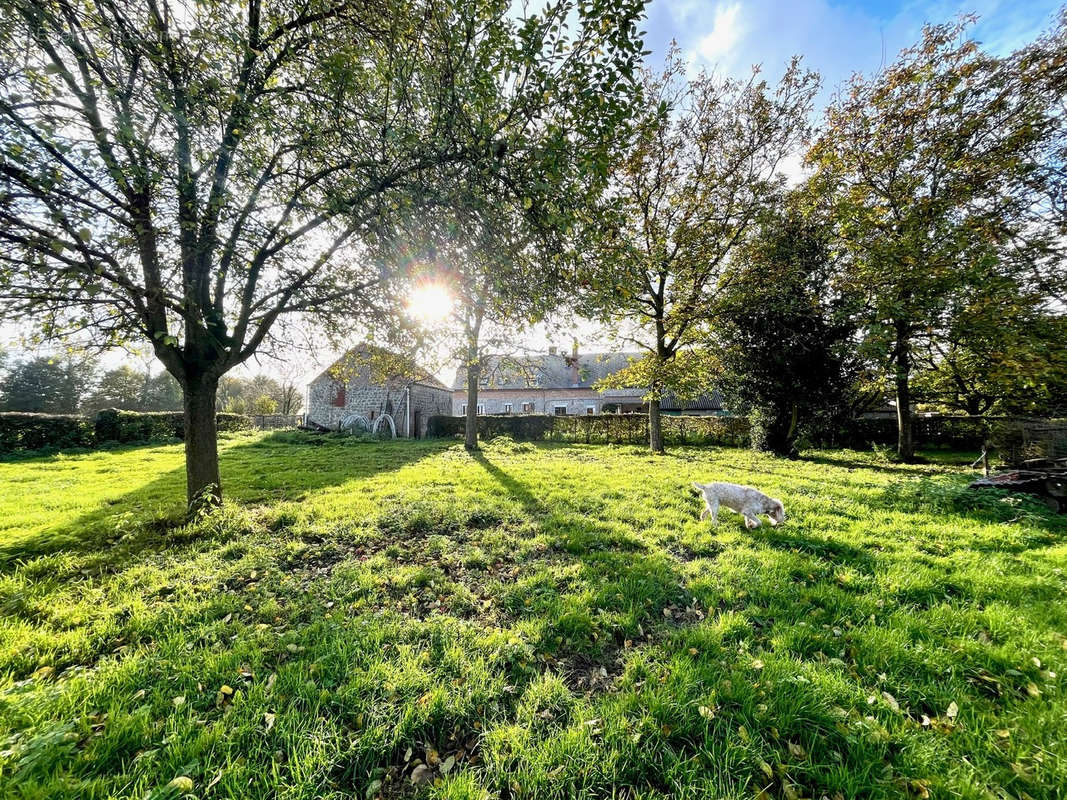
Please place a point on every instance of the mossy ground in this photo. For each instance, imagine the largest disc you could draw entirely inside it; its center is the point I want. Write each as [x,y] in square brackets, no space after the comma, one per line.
[533,621]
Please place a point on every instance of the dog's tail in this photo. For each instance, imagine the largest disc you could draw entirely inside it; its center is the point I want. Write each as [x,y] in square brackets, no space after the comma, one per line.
[698,487]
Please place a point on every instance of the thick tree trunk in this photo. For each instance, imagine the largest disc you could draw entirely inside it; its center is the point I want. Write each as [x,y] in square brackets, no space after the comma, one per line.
[203,487]
[470,437]
[655,426]
[905,445]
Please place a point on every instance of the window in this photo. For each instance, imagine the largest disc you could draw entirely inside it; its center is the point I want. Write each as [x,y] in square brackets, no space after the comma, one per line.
[527,408]
[559,410]
[590,409]
[481,408]
[339,396]
[507,408]
[463,410]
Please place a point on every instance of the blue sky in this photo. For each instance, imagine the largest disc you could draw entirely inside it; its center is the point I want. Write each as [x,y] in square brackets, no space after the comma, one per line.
[836,39]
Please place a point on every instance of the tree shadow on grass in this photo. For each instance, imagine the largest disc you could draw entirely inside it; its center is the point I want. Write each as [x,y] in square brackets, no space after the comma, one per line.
[517,489]
[827,549]
[846,459]
[281,466]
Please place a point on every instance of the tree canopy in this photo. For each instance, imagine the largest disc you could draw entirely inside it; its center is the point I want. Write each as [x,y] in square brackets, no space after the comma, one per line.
[194,174]
[702,165]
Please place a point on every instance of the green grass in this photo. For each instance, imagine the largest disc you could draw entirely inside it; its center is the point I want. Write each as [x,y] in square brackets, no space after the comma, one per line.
[535,621]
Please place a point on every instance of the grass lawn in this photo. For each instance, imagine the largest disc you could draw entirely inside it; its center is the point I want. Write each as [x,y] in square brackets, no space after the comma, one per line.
[535,621]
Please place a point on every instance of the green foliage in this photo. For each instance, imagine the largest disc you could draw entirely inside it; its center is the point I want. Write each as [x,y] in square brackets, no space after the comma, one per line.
[130,389]
[22,431]
[700,166]
[783,339]
[550,617]
[193,174]
[253,395]
[951,496]
[925,166]
[113,425]
[49,384]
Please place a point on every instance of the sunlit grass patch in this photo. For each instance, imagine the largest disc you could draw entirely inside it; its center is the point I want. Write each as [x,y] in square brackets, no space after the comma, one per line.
[532,621]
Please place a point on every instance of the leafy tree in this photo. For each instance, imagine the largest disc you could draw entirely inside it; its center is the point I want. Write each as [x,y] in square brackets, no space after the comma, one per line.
[264,404]
[701,167]
[1000,351]
[194,174]
[499,276]
[162,393]
[46,384]
[122,387]
[134,390]
[253,395]
[290,398]
[783,336]
[922,163]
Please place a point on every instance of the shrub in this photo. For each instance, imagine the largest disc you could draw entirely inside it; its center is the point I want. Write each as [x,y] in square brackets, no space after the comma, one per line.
[23,431]
[113,425]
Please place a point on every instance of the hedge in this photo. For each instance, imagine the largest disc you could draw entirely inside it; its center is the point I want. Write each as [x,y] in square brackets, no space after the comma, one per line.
[1013,437]
[600,428]
[20,432]
[113,425]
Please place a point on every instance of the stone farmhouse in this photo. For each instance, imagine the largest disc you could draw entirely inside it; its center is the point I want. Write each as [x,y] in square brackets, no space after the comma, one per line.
[372,389]
[561,384]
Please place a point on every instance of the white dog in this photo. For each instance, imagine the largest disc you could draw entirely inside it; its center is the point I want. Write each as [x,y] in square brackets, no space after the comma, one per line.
[745,500]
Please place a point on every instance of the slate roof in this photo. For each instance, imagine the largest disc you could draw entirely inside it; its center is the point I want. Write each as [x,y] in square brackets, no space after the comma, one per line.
[709,401]
[373,357]
[548,371]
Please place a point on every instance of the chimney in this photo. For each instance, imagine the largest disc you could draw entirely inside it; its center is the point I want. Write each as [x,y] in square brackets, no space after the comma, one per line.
[574,363]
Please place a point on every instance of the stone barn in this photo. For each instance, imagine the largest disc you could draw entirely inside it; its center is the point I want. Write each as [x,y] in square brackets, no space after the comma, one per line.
[372,389]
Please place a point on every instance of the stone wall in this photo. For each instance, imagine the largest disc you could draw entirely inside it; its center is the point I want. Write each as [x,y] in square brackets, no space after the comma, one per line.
[326,407]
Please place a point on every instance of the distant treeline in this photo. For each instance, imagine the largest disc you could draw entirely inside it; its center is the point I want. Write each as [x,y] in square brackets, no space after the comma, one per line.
[74,384]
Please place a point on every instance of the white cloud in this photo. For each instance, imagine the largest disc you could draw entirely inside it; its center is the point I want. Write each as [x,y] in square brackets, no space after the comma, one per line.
[725,33]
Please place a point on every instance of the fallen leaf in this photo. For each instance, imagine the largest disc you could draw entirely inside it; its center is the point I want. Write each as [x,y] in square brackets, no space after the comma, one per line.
[268,721]
[796,750]
[421,775]
[447,764]
[178,701]
[757,664]
[952,711]
[891,701]
[181,784]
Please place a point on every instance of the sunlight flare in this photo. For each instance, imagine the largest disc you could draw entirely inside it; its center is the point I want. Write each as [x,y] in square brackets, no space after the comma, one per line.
[430,302]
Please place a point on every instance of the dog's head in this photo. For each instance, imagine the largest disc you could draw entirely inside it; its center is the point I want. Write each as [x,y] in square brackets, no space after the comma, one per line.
[777,512]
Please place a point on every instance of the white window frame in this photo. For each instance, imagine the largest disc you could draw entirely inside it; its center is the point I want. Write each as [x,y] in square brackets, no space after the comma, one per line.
[508,408]
[556,407]
[590,409]
[481,409]
[527,408]
[463,410]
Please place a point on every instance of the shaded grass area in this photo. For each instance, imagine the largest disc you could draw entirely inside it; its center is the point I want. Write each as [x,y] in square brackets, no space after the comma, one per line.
[406,619]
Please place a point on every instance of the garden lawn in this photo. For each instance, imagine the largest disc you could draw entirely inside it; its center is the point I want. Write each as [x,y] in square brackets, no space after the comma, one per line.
[535,621]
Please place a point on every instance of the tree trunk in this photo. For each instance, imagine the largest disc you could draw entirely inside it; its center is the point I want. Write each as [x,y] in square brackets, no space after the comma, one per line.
[655,426]
[470,437]
[905,445]
[203,487]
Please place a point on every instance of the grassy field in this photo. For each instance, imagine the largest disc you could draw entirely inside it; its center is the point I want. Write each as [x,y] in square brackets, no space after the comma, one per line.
[536,621]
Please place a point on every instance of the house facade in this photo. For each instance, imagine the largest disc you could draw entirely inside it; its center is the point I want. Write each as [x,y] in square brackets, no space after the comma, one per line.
[561,384]
[373,389]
